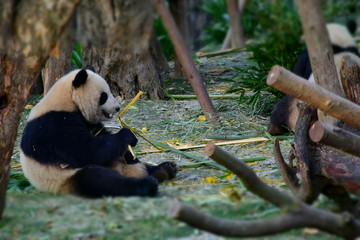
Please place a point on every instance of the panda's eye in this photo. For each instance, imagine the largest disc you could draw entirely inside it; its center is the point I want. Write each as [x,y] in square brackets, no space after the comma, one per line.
[103,98]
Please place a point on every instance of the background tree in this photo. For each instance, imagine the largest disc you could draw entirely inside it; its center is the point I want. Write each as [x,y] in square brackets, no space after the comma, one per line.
[29,30]
[116,37]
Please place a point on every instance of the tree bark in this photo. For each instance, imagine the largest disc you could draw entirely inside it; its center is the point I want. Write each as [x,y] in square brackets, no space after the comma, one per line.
[319,48]
[350,77]
[28,32]
[116,38]
[59,62]
[237,32]
[179,11]
[314,95]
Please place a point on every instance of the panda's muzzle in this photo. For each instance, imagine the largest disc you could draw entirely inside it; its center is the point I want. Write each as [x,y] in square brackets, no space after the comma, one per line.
[107,115]
[110,115]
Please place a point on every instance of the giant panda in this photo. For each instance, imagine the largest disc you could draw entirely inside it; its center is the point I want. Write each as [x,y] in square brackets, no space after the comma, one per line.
[285,113]
[60,152]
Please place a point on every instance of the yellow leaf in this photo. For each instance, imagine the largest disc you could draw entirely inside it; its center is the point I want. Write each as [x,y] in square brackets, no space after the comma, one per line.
[16,165]
[29,106]
[201,118]
[144,129]
[210,180]
[251,163]
[231,193]
[228,177]
[272,182]
[307,231]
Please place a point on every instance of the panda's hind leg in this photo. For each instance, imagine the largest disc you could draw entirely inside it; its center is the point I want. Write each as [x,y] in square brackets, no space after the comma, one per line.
[163,171]
[97,181]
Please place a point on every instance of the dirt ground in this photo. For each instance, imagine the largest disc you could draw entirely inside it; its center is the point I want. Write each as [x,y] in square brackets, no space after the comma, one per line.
[31,214]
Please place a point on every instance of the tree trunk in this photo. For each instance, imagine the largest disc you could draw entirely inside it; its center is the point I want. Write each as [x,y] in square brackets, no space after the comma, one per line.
[319,48]
[116,38]
[237,32]
[179,10]
[28,31]
[59,62]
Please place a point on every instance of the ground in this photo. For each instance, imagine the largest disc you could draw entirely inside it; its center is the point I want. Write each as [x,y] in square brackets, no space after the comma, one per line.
[31,214]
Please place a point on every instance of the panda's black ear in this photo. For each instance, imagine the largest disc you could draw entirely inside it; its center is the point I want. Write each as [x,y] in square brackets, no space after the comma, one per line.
[91,68]
[351,26]
[80,78]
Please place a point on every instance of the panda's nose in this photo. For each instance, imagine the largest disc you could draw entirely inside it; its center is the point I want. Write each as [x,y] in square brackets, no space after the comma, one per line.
[117,109]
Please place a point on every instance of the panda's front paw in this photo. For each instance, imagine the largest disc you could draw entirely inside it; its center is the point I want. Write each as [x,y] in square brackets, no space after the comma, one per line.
[170,169]
[127,135]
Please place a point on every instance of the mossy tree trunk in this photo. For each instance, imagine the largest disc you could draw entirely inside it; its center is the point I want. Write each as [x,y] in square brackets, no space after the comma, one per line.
[116,37]
[29,30]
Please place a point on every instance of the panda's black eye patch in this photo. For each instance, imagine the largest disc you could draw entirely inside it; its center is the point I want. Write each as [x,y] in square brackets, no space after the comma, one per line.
[103,98]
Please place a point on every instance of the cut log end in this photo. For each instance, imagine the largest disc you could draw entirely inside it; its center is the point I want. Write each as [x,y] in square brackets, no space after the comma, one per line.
[316,132]
[175,209]
[209,149]
[273,75]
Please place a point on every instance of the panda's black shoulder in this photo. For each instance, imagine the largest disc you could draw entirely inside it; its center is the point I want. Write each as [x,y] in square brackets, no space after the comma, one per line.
[302,66]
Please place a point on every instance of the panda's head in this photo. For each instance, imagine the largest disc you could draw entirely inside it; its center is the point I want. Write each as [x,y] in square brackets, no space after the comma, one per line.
[341,35]
[91,94]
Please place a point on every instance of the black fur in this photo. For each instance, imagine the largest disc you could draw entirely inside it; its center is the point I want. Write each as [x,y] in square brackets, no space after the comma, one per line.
[63,137]
[80,78]
[279,117]
[96,181]
[103,98]
[351,26]
[66,137]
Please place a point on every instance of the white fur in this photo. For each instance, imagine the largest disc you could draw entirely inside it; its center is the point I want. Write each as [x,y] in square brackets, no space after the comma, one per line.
[340,35]
[47,178]
[64,97]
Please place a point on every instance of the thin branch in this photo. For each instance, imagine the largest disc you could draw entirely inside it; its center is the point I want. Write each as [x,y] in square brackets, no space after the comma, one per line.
[247,176]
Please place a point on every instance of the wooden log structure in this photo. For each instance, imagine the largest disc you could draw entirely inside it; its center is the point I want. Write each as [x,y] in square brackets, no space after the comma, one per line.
[335,137]
[314,95]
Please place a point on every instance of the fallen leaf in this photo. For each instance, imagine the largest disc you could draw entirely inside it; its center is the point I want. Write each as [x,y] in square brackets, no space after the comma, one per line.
[211,180]
[201,118]
[308,231]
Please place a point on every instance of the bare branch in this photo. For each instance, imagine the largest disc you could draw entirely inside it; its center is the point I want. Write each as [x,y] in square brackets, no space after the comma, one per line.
[247,176]
[298,214]
[231,228]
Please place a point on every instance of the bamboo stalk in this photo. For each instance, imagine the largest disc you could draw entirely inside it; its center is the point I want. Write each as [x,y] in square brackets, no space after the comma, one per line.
[220,53]
[314,95]
[185,97]
[130,104]
[124,110]
[258,139]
